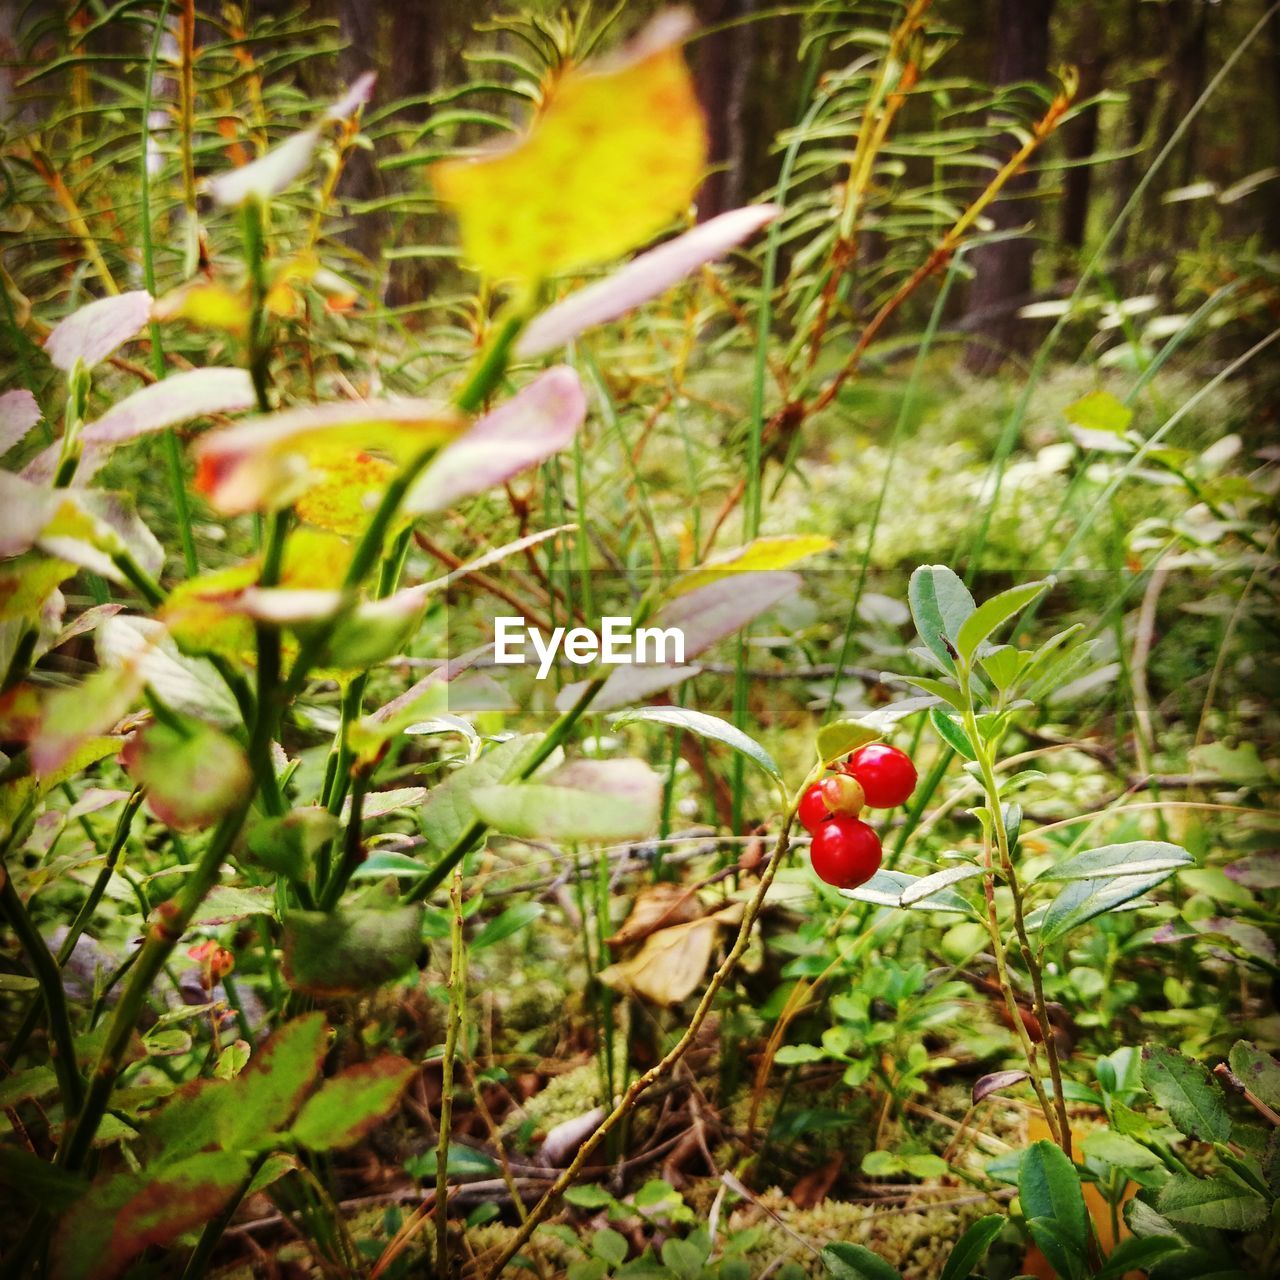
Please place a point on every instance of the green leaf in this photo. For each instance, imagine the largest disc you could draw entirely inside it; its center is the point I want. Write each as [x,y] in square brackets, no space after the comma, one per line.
[587,800]
[929,885]
[124,1214]
[938,688]
[351,949]
[1118,1150]
[840,737]
[1185,1090]
[972,1247]
[1082,900]
[1049,1188]
[1099,411]
[1221,1202]
[447,812]
[287,845]
[1004,664]
[683,1259]
[588,1196]
[854,1262]
[952,733]
[940,604]
[1052,1240]
[46,1184]
[885,889]
[1134,1254]
[352,1103]
[512,920]
[1140,857]
[993,613]
[1257,1070]
[34,1082]
[610,1245]
[262,1099]
[460,1162]
[704,726]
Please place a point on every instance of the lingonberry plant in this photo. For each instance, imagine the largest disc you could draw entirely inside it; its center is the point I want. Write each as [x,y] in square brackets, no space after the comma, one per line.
[259,792]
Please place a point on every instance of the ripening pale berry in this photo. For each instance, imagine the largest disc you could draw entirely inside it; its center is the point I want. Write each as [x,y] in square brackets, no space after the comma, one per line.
[886,774]
[812,809]
[845,852]
[843,794]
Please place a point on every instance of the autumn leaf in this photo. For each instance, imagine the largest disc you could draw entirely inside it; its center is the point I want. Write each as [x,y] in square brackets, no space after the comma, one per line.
[616,152]
[264,464]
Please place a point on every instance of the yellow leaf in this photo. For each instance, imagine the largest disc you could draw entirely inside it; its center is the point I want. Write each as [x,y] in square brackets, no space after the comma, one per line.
[761,555]
[314,561]
[27,582]
[268,463]
[341,501]
[207,305]
[616,152]
[202,614]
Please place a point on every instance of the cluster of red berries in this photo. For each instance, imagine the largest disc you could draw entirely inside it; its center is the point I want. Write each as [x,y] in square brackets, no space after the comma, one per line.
[845,851]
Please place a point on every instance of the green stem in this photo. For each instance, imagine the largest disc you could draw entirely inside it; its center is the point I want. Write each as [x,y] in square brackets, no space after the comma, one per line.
[70,1085]
[474,832]
[171,921]
[1057,1119]
[352,845]
[112,855]
[457,999]
[198,1262]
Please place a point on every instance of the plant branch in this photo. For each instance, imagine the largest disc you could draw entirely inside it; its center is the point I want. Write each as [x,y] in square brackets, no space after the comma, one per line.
[673,1056]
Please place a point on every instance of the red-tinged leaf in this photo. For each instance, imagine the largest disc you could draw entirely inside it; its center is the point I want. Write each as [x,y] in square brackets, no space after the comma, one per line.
[268,463]
[995,1082]
[269,174]
[704,616]
[587,800]
[25,509]
[21,712]
[193,776]
[195,393]
[338,953]
[89,526]
[281,166]
[93,332]
[44,466]
[239,1114]
[359,95]
[124,1214]
[202,614]
[81,713]
[537,422]
[18,414]
[352,1103]
[643,278]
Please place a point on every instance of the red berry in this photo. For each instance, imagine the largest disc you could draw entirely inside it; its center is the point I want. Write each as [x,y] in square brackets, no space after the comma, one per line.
[845,852]
[887,775]
[843,794]
[812,810]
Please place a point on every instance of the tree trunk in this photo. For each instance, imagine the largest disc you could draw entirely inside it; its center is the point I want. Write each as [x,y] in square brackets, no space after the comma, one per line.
[722,74]
[1002,280]
[1080,136]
